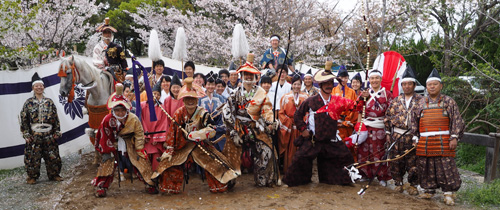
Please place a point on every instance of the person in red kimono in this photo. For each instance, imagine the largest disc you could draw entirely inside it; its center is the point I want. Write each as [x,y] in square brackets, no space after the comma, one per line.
[288,131]
[378,100]
[154,142]
[120,131]
[172,102]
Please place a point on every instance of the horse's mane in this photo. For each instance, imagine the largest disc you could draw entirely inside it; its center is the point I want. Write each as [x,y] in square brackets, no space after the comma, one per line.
[82,65]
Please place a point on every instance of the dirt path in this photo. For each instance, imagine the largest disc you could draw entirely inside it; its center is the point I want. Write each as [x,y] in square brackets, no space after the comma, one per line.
[77,193]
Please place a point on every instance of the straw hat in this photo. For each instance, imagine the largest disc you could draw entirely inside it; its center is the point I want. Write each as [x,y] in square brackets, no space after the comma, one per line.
[117,98]
[191,90]
[248,66]
[106,26]
[324,75]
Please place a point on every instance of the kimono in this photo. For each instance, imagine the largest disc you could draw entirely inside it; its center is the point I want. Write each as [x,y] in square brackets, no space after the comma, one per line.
[331,153]
[99,54]
[282,90]
[397,121]
[164,95]
[438,171]
[113,137]
[211,105]
[288,131]
[277,56]
[218,170]
[43,144]
[247,115]
[311,92]
[374,147]
[154,142]
[171,105]
[345,130]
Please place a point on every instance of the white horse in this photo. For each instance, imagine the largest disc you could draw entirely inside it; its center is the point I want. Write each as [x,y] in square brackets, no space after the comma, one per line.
[99,84]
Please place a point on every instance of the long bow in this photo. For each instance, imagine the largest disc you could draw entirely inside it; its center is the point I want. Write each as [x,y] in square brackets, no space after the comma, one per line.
[366,72]
[384,159]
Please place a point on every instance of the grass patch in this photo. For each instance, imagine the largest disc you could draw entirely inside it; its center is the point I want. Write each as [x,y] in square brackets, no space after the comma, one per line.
[4,173]
[471,157]
[483,196]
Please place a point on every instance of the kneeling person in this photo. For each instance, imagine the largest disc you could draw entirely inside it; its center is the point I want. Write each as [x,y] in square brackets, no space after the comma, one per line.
[189,133]
[318,140]
[120,131]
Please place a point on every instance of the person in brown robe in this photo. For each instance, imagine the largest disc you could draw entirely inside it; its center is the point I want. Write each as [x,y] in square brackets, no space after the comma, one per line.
[318,140]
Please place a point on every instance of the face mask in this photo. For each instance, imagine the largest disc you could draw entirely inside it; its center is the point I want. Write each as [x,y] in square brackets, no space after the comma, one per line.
[120,118]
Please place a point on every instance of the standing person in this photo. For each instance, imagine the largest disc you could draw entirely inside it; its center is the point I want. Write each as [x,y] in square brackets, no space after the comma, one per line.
[309,88]
[276,54]
[200,80]
[189,69]
[437,127]
[41,130]
[154,142]
[99,54]
[210,103]
[348,118]
[220,88]
[378,100]
[181,145]
[397,121]
[318,140]
[120,131]
[290,102]
[234,81]
[172,102]
[224,76]
[356,82]
[128,92]
[165,87]
[248,117]
[265,83]
[157,72]
[283,87]
[154,77]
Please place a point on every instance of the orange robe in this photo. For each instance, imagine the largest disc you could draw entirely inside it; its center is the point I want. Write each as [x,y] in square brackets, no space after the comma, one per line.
[345,130]
[288,131]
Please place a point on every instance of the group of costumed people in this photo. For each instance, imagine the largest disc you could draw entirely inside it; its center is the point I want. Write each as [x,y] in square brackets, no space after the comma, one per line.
[274,126]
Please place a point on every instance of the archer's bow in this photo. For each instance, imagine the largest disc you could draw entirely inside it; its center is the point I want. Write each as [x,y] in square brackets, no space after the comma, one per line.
[366,73]
[384,160]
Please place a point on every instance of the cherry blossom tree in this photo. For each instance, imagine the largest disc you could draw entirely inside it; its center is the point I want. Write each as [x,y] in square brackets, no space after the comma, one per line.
[36,30]
[209,27]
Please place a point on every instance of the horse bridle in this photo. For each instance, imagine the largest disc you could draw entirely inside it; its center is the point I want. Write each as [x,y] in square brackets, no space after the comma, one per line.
[63,73]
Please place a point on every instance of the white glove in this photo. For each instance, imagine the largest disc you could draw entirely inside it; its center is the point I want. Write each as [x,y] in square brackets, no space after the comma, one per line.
[166,155]
[202,134]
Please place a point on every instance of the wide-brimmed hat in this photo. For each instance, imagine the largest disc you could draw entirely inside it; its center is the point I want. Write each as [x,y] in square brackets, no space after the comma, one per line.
[106,26]
[324,75]
[191,90]
[248,66]
[117,98]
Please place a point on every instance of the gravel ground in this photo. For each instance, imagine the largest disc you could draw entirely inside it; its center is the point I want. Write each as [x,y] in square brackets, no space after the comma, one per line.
[75,192]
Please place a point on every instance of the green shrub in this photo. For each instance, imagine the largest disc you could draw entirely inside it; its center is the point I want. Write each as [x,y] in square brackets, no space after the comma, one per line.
[471,157]
[484,196]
